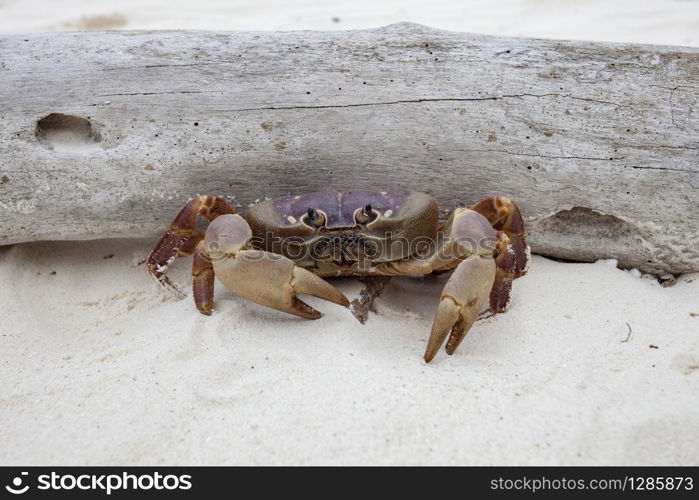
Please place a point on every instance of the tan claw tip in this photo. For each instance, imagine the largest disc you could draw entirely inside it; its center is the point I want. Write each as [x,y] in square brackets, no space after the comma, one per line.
[300,308]
[306,282]
[344,301]
[446,317]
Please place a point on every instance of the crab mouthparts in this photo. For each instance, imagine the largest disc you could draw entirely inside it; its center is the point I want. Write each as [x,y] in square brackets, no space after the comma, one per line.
[344,250]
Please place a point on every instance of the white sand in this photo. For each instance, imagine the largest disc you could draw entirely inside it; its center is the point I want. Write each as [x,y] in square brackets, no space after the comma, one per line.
[99,366]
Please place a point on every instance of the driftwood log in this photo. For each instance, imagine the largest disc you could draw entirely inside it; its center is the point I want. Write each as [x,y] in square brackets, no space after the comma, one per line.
[108,134]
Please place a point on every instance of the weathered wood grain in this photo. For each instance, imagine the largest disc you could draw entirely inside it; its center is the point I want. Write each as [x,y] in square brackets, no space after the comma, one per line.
[597,142]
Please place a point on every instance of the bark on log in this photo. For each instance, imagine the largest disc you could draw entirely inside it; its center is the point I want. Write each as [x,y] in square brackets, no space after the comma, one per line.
[108,134]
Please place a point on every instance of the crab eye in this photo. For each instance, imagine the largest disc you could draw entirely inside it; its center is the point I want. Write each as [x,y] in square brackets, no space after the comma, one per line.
[365,215]
[314,218]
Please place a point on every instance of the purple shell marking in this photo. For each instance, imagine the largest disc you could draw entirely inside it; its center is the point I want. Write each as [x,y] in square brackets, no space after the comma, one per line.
[339,207]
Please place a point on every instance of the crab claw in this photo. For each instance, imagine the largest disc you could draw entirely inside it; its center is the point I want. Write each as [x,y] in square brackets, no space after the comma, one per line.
[265,278]
[473,239]
[463,297]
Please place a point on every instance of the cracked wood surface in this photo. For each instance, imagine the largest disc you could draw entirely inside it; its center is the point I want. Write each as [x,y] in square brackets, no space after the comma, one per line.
[597,142]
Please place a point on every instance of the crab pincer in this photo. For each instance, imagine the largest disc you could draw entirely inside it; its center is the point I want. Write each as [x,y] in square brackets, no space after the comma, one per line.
[265,278]
[472,240]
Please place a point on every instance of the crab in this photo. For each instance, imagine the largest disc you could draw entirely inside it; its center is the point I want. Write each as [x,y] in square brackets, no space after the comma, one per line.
[285,247]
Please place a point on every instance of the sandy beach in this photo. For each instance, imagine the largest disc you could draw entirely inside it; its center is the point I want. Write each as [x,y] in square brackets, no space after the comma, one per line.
[592,365]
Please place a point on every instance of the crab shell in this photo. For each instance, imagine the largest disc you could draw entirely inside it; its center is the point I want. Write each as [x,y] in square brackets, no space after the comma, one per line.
[340,244]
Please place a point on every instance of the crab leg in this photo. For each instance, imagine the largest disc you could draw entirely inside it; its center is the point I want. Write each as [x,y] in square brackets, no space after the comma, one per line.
[190,246]
[503,215]
[262,277]
[180,237]
[513,251]
[374,285]
[202,280]
[505,273]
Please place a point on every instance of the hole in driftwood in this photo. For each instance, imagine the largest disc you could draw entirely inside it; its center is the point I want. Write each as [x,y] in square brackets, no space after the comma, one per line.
[67,133]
